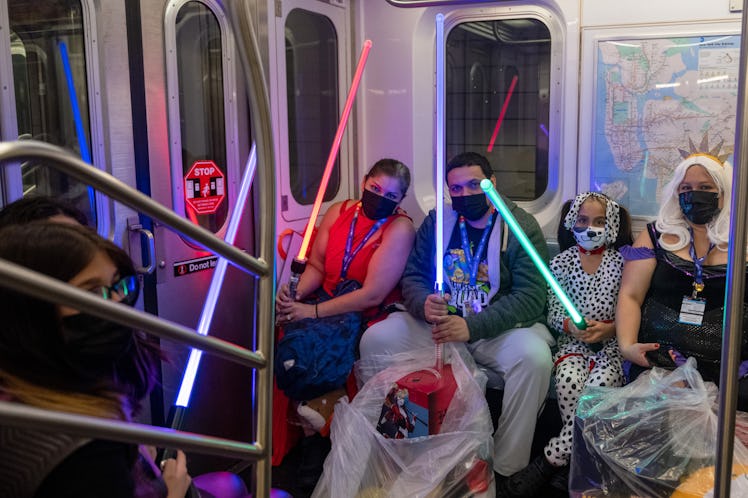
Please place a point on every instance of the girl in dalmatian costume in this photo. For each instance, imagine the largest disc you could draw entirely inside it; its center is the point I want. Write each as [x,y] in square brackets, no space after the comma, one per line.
[590,274]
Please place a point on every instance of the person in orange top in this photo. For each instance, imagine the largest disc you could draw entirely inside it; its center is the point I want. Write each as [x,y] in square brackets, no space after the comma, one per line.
[382,236]
[350,281]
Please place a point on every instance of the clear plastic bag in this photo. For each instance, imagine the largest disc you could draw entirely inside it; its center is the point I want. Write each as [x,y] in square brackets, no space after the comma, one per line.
[654,437]
[457,462]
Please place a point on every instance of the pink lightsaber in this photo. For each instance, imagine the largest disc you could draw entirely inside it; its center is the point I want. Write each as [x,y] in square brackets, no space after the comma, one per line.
[299,263]
[502,113]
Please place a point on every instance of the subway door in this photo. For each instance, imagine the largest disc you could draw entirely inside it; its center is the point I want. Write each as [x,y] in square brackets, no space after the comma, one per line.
[198,143]
[309,79]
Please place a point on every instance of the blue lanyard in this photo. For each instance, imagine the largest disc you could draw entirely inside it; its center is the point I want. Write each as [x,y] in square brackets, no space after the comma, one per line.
[348,255]
[698,263]
[473,259]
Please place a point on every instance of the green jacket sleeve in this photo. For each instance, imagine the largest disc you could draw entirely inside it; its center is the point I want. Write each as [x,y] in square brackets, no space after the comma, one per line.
[521,299]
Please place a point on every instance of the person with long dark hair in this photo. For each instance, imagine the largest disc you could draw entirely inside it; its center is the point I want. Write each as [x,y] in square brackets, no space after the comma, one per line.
[56,357]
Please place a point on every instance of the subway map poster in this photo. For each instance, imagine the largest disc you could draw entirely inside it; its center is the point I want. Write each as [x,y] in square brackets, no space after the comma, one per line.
[652,96]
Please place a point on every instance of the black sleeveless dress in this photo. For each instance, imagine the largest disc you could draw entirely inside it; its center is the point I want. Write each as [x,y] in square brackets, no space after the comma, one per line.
[673,279]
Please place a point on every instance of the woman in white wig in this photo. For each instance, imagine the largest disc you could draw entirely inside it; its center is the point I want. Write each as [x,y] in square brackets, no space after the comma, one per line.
[672,294]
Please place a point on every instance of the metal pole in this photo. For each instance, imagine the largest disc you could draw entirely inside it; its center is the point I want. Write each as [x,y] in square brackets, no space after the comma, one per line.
[735,286]
[257,94]
[39,419]
[20,279]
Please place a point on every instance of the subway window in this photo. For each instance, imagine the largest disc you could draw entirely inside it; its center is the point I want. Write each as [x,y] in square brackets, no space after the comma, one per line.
[497,100]
[312,100]
[202,119]
[48,53]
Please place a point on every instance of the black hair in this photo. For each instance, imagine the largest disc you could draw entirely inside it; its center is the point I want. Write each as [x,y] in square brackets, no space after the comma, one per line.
[393,168]
[35,208]
[625,234]
[565,237]
[470,159]
[32,344]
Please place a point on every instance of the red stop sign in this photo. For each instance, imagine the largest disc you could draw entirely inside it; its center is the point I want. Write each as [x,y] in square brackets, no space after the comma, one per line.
[204,187]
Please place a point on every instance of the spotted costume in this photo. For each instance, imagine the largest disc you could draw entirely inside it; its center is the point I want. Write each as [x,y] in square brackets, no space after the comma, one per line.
[576,363]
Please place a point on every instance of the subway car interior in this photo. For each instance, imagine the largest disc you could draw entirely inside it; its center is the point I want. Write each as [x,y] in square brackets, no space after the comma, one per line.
[206,138]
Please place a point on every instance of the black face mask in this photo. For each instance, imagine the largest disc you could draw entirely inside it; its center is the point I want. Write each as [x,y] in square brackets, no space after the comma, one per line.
[699,207]
[377,206]
[95,339]
[472,207]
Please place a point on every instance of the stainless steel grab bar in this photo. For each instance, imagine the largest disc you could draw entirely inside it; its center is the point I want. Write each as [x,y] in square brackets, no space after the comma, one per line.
[63,161]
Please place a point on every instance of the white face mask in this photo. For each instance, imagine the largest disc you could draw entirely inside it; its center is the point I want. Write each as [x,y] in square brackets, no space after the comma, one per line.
[589,238]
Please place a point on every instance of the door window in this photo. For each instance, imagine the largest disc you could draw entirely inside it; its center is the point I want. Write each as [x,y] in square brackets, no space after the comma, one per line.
[202,116]
[498,76]
[312,100]
[48,53]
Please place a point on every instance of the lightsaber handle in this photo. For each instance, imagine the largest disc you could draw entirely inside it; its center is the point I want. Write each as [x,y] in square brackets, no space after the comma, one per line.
[297,268]
[177,417]
[439,351]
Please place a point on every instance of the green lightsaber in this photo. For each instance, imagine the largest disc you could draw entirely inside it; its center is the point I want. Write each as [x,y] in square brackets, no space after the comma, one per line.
[510,220]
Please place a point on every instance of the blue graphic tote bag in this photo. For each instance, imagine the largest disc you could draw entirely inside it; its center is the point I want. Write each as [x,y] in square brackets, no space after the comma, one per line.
[316,355]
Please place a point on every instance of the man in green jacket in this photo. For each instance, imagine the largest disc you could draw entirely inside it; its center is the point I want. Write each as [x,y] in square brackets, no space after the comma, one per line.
[494,302]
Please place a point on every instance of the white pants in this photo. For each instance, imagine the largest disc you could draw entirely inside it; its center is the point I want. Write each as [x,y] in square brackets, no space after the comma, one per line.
[519,359]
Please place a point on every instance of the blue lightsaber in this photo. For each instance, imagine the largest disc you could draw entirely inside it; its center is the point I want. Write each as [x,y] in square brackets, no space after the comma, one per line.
[79,130]
[439,176]
[206,317]
[510,220]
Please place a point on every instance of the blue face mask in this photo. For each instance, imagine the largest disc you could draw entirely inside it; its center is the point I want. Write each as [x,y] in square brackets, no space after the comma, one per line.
[698,206]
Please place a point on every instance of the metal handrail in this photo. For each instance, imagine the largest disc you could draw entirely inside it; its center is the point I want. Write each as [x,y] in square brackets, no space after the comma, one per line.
[735,285]
[21,279]
[67,163]
[257,94]
[40,419]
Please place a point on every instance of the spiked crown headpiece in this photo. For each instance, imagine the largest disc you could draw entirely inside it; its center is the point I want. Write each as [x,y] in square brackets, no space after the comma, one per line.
[704,151]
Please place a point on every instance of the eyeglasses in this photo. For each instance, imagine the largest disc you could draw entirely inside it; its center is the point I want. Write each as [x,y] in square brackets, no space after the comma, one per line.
[127,289]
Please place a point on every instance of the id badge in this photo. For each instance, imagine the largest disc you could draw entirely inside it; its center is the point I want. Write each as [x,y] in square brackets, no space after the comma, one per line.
[692,310]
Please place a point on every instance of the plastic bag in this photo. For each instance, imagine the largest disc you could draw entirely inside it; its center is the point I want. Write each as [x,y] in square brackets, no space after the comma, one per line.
[457,462]
[654,437]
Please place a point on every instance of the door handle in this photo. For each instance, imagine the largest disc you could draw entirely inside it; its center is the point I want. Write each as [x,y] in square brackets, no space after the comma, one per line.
[147,270]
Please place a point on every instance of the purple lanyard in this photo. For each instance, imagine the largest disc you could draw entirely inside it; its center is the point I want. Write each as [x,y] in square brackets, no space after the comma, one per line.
[698,263]
[348,255]
[473,259]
